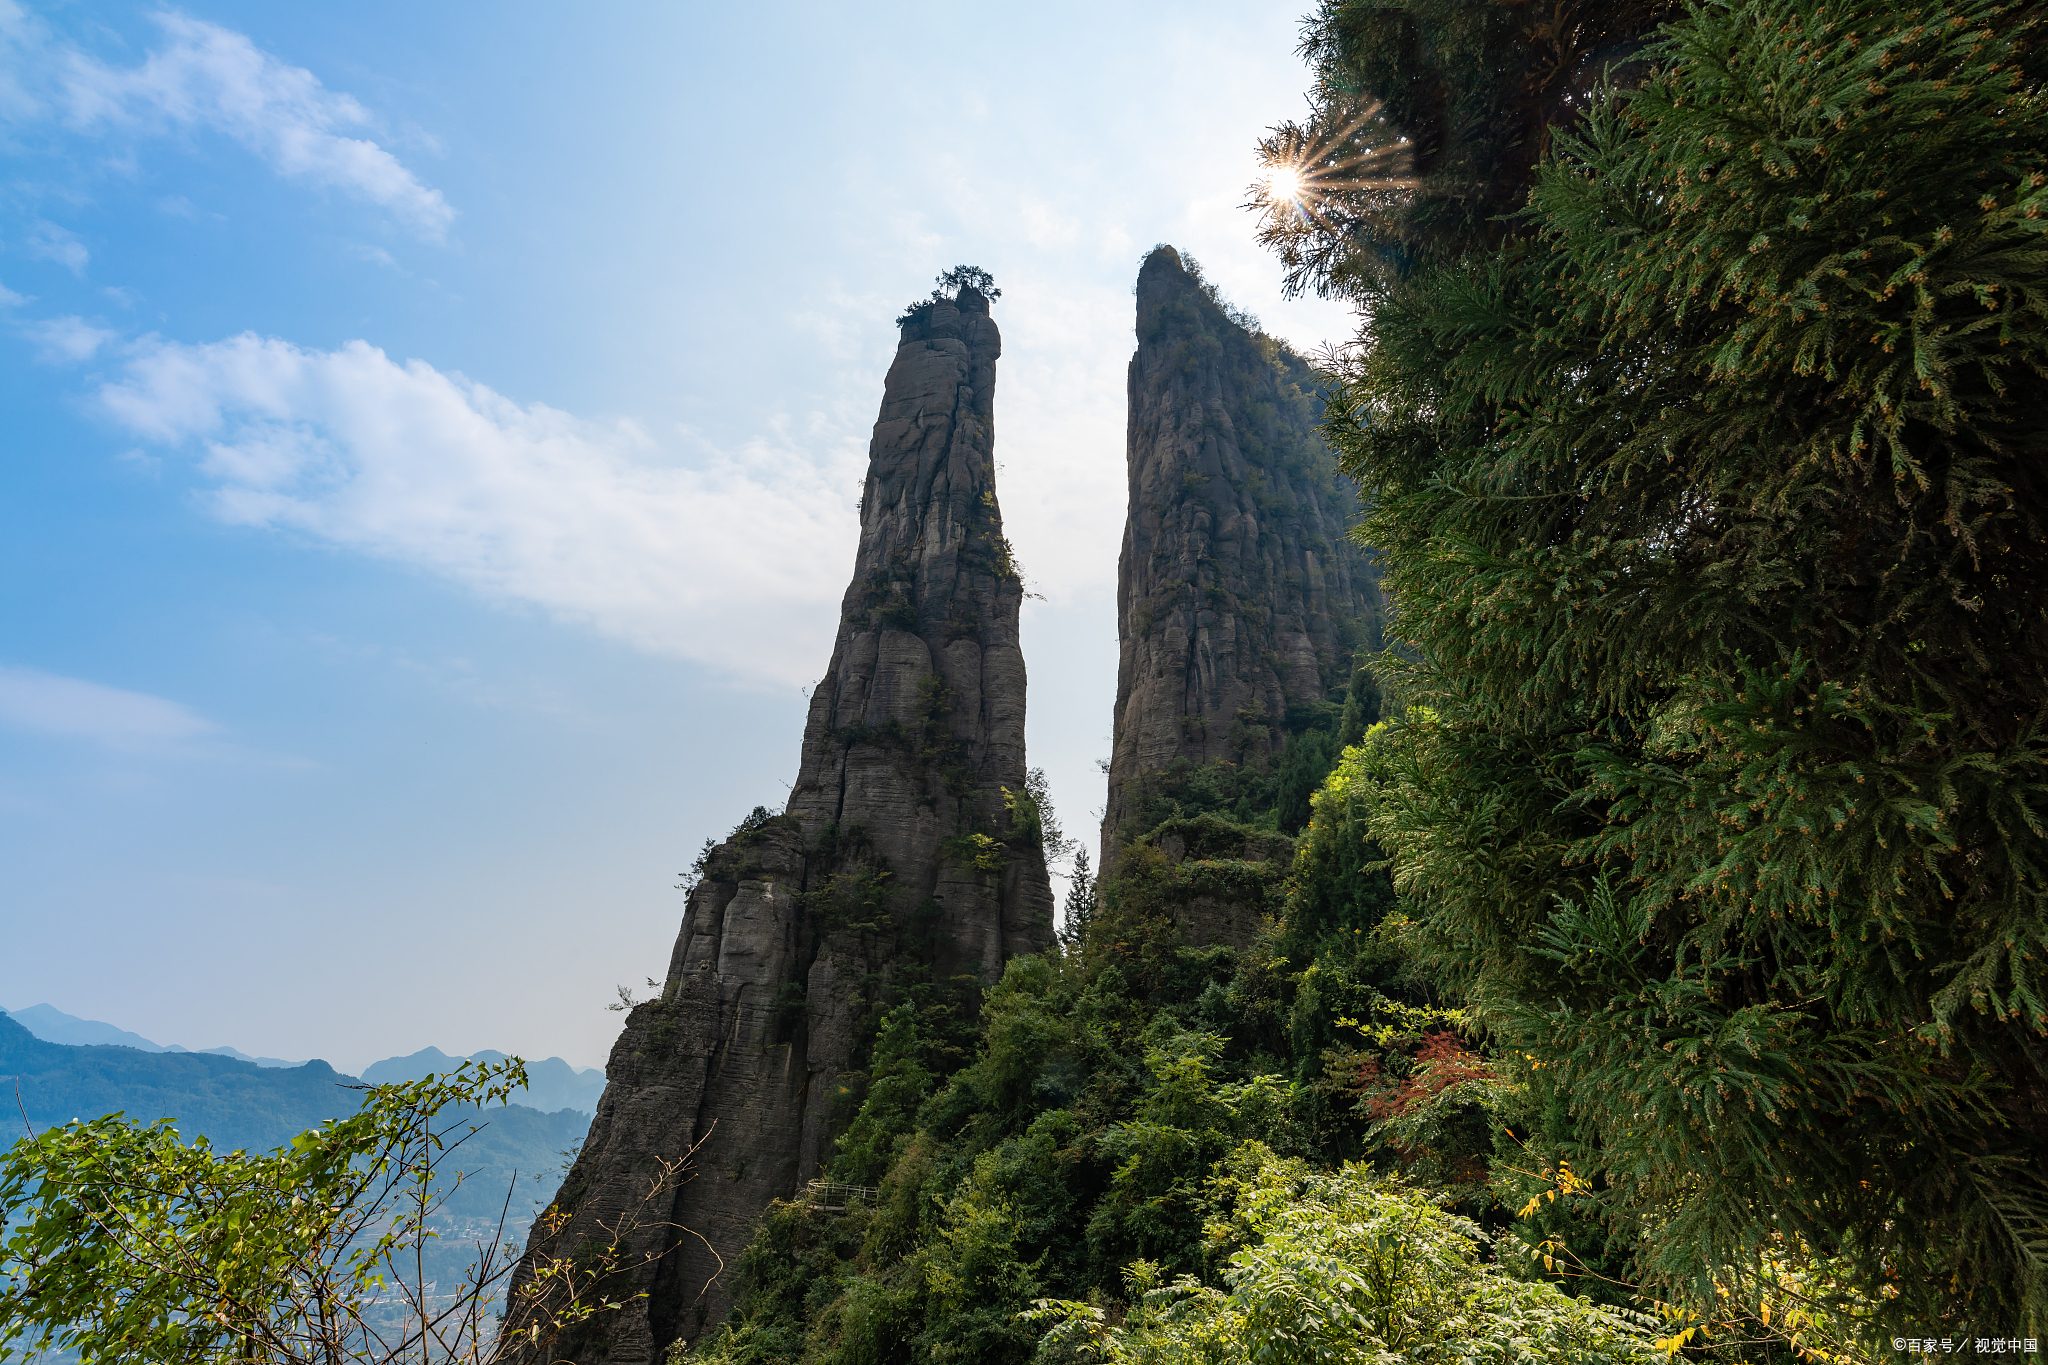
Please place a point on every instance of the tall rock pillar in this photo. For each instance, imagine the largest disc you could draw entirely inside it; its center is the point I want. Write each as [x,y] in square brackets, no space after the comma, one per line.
[1240,596]
[917,730]
[907,852]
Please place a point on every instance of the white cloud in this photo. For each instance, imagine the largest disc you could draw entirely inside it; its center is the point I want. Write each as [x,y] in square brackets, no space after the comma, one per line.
[53,243]
[9,299]
[214,78]
[738,563]
[19,36]
[48,704]
[67,339]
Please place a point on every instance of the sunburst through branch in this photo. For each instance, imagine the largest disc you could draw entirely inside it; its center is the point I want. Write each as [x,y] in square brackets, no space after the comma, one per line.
[1343,170]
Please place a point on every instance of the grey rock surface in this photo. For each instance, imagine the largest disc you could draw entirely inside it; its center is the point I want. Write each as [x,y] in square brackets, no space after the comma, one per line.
[1239,592]
[898,860]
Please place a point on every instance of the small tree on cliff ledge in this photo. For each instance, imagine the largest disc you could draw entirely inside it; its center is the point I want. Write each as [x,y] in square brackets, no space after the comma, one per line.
[949,284]
[961,277]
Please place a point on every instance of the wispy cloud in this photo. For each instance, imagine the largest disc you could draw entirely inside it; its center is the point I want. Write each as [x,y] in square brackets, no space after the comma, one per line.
[67,339]
[737,562]
[53,243]
[45,703]
[375,255]
[212,78]
[20,36]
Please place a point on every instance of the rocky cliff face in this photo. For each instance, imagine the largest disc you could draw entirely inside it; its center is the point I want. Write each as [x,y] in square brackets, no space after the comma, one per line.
[907,855]
[1241,600]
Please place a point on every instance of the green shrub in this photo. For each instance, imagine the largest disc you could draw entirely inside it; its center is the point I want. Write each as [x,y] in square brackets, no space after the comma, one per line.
[1339,1267]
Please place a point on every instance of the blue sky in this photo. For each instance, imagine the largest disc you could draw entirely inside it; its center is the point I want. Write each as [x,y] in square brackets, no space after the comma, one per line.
[430,450]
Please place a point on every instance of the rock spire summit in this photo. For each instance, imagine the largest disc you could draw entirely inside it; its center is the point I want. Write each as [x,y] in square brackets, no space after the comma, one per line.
[1241,598]
[909,854]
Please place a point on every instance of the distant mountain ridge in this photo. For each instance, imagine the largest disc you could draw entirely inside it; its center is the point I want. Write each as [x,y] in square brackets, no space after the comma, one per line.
[553,1083]
[55,1026]
[234,1103]
[239,1105]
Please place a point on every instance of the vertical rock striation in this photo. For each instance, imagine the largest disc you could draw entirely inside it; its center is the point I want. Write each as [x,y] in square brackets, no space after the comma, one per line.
[1241,599]
[900,860]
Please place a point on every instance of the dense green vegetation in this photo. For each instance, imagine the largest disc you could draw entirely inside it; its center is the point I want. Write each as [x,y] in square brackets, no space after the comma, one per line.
[947,287]
[1133,1106]
[1709,486]
[1337,1266]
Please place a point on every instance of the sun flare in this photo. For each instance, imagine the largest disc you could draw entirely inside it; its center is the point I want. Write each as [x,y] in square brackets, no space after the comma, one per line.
[1284,183]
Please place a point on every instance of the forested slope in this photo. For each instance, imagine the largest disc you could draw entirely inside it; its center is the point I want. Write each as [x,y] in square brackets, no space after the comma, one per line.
[1679,925]
[1077,1130]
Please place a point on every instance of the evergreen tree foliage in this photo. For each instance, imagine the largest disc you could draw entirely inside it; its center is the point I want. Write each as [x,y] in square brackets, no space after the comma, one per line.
[1339,884]
[1303,765]
[898,1082]
[1361,704]
[1080,903]
[951,282]
[1709,490]
[947,286]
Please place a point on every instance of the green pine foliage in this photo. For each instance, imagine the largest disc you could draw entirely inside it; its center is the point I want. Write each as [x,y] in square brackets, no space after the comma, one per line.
[1335,885]
[1709,491]
[1078,911]
[898,1082]
[1303,764]
[1361,703]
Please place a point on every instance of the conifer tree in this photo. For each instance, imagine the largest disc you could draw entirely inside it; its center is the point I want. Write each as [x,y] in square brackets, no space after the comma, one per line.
[1361,704]
[1705,452]
[1080,904]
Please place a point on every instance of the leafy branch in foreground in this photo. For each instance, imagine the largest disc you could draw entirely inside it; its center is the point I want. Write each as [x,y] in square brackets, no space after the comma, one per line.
[561,1288]
[124,1243]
